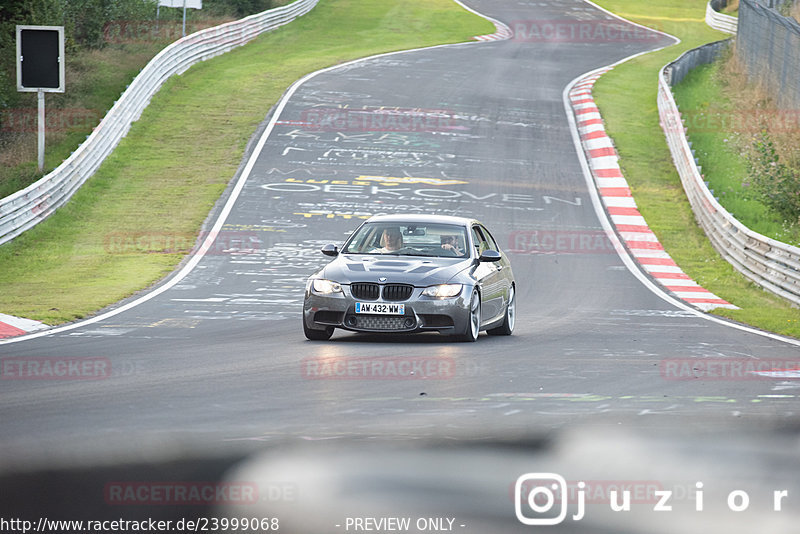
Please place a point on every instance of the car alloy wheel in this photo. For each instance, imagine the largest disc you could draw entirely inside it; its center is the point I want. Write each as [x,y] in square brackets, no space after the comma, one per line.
[510,318]
[474,325]
[317,335]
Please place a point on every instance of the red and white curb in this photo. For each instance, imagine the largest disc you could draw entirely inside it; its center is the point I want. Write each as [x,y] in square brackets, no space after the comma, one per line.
[11,326]
[621,207]
[503,33]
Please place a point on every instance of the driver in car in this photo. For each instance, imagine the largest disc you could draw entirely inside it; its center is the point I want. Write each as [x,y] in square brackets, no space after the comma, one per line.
[392,241]
[450,242]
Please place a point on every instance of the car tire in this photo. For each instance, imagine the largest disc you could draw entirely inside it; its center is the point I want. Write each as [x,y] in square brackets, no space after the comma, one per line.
[317,335]
[510,318]
[474,323]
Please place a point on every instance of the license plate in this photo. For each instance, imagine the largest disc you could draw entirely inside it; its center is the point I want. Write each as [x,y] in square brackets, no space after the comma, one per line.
[379,308]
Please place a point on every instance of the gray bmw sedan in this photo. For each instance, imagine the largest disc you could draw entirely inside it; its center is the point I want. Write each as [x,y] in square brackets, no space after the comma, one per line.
[413,273]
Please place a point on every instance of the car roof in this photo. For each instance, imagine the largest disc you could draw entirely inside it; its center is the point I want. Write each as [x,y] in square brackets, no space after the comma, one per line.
[421,218]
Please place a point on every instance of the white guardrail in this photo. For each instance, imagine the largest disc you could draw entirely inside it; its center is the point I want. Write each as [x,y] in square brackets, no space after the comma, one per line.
[28,207]
[719,21]
[771,264]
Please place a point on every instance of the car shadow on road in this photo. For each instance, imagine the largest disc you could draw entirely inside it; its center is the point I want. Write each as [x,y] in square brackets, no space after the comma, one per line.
[420,338]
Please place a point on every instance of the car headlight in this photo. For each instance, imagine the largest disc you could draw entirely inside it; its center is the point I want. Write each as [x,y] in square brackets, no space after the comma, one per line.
[443,290]
[326,287]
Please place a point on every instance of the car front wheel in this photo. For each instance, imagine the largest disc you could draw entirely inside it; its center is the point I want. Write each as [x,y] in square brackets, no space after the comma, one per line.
[317,335]
[474,323]
[507,327]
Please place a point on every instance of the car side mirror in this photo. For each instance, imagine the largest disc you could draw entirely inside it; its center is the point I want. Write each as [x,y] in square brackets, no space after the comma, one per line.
[330,250]
[490,255]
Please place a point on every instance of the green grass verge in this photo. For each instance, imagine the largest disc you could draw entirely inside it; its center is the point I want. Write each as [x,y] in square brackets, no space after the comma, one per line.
[705,99]
[165,176]
[627,99]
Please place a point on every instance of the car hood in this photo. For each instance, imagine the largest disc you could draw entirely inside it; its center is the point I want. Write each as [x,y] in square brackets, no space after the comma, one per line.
[418,271]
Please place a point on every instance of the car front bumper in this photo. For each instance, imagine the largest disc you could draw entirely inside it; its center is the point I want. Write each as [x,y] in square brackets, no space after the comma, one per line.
[445,315]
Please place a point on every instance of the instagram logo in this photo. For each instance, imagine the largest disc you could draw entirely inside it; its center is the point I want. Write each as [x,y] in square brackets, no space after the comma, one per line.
[546,496]
[541,492]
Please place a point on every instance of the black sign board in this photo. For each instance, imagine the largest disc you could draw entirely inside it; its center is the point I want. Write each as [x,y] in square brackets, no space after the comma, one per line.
[40,58]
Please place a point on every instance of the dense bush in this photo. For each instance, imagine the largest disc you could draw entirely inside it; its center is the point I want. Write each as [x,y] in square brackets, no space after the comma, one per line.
[789,8]
[775,177]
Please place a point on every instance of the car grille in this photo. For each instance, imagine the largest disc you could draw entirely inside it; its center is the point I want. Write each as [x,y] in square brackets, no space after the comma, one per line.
[371,291]
[379,322]
[365,291]
[397,292]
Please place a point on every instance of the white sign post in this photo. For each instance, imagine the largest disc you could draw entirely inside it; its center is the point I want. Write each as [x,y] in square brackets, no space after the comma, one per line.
[40,130]
[40,69]
[190,4]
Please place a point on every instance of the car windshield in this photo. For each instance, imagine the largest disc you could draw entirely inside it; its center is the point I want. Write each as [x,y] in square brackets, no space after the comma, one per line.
[409,239]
